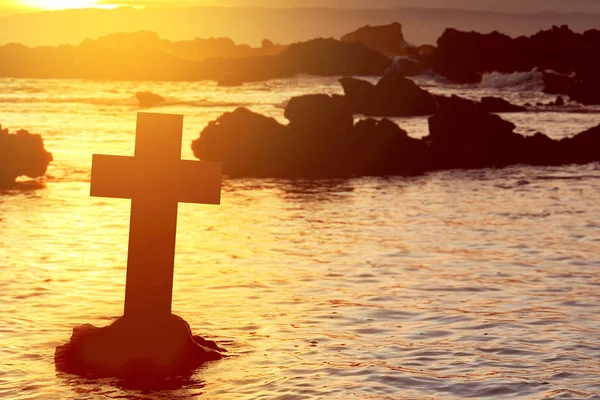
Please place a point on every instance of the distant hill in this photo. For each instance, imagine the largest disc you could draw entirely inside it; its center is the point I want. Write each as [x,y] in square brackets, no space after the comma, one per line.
[252,25]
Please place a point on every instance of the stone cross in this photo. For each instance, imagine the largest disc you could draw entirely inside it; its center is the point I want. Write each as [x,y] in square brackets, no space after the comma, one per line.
[155,180]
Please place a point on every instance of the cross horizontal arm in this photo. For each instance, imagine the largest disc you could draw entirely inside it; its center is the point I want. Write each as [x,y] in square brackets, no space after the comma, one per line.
[113,176]
[199,182]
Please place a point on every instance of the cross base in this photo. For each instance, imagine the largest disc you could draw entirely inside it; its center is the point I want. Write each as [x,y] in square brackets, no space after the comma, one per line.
[134,348]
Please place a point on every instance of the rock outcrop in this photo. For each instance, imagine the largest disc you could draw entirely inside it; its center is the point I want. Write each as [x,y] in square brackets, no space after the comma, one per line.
[499,105]
[465,56]
[321,141]
[323,57]
[21,154]
[386,39]
[393,96]
[126,350]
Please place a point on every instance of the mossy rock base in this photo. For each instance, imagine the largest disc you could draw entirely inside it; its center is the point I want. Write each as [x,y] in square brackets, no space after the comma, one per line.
[135,348]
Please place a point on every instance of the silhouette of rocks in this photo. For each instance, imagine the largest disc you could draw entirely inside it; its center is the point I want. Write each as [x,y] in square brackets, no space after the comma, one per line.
[230,80]
[463,135]
[321,141]
[249,144]
[323,57]
[21,154]
[380,148]
[557,83]
[386,39]
[465,56]
[583,148]
[583,90]
[317,138]
[135,349]
[394,95]
[149,99]
[498,105]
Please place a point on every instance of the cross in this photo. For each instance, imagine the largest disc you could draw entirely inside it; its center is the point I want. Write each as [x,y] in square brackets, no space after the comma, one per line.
[155,180]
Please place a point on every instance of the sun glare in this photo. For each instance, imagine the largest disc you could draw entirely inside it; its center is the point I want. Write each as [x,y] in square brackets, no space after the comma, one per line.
[63,4]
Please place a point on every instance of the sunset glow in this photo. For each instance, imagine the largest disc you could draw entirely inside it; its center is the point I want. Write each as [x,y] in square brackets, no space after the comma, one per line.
[63,4]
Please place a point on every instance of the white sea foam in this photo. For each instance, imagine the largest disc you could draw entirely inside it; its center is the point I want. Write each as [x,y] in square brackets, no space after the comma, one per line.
[527,80]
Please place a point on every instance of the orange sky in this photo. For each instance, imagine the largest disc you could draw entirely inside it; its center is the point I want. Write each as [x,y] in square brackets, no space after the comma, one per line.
[11,6]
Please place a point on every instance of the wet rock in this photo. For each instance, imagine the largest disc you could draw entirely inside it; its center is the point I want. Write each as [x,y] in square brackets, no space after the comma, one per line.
[498,105]
[230,80]
[248,144]
[149,99]
[386,39]
[318,133]
[394,95]
[558,83]
[559,102]
[465,56]
[583,148]
[380,148]
[322,57]
[464,136]
[21,154]
[133,348]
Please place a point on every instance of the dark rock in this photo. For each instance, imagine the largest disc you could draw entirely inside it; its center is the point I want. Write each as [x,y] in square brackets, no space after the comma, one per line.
[230,80]
[379,148]
[386,39]
[357,93]
[409,66]
[559,102]
[321,141]
[539,149]
[586,91]
[462,135]
[498,105]
[135,349]
[149,99]
[394,95]
[323,57]
[465,56]
[558,83]
[583,148]
[318,135]
[247,143]
[21,154]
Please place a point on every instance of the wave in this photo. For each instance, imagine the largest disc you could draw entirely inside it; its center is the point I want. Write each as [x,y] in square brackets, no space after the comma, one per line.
[531,80]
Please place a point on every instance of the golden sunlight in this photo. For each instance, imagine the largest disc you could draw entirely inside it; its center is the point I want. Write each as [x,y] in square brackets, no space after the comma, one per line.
[63,4]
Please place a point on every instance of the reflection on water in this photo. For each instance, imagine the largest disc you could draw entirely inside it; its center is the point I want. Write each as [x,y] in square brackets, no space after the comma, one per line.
[450,285]
[457,284]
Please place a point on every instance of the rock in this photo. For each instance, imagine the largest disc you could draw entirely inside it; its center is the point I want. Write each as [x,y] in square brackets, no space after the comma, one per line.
[321,141]
[322,57]
[586,91]
[462,135]
[21,154]
[559,102]
[465,56]
[380,148]
[133,348]
[558,83]
[149,99]
[394,95]
[247,143]
[386,39]
[583,148]
[230,80]
[318,133]
[498,105]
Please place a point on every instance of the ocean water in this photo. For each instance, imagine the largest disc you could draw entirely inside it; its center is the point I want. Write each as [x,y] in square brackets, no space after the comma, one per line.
[452,285]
